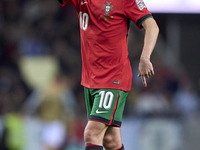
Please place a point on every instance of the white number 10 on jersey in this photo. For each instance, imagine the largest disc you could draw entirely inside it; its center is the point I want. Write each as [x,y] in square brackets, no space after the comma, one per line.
[84,18]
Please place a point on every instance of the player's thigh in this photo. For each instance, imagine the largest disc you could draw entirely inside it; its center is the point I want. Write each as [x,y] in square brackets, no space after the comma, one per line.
[94,132]
[96,127]
[112,137]
[112,134]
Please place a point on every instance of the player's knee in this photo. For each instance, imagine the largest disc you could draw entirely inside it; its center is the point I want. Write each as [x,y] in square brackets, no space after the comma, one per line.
[88,135]
[91,135]
[108,142]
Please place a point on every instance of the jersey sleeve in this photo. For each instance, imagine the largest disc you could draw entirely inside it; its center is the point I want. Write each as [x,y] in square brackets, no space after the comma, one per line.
[137,11]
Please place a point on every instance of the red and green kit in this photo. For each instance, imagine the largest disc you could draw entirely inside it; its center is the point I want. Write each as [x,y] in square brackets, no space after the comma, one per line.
[104,28]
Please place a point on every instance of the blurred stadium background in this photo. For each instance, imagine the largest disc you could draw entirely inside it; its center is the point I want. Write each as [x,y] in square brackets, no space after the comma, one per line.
[41,100]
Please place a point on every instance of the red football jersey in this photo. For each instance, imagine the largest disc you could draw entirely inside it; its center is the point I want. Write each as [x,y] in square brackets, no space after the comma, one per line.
[104,27]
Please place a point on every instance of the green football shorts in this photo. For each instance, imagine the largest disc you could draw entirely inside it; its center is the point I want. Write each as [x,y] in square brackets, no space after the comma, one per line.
[105,105]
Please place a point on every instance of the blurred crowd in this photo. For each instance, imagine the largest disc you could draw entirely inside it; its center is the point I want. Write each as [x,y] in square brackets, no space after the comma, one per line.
[41,99]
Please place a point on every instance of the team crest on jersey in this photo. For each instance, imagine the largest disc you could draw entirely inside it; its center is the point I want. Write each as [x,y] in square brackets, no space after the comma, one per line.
[107,8]
[141,5]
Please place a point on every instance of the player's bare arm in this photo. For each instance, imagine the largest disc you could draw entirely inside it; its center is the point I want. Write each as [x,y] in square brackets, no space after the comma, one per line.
[151,33]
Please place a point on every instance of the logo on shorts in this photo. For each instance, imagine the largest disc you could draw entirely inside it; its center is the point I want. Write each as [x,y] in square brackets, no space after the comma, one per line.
[101,112]
[141,5]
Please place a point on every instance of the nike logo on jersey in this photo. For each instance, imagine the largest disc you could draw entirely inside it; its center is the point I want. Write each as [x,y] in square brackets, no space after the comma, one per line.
[101,112]
[82,3]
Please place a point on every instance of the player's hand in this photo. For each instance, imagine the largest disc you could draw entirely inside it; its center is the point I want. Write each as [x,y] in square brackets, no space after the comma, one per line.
[145,70]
